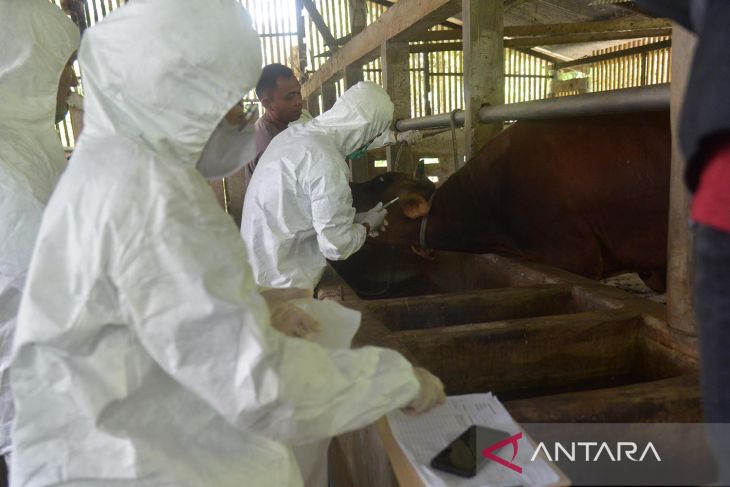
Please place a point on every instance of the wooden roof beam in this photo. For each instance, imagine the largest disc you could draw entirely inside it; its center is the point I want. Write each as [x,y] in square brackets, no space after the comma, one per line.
[447,23]
[402,21]
[329,39]
[599,29]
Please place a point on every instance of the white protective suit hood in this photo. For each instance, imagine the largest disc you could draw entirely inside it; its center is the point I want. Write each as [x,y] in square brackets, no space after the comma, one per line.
[361,114]
[37,41]
[144,354]
[298,208]
[171,90]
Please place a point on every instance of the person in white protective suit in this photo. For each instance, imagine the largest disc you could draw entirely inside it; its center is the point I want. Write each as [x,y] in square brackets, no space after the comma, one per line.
[36,77]
[144,353]
[298,208]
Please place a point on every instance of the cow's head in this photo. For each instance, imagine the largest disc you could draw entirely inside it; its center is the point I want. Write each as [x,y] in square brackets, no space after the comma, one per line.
[404,217]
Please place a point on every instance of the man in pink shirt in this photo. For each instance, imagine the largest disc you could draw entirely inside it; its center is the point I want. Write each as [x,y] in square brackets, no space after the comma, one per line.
[704,137]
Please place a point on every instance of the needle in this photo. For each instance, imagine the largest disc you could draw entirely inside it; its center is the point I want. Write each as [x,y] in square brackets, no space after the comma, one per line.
[391,202]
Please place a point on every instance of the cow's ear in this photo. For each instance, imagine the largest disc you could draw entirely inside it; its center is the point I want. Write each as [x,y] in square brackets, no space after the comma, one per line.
[414,205]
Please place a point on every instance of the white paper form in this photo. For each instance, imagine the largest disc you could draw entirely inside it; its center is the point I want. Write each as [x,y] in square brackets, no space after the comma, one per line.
[422,438]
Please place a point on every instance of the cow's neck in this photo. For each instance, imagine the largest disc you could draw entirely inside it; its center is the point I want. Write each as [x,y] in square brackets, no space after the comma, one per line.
[465,215]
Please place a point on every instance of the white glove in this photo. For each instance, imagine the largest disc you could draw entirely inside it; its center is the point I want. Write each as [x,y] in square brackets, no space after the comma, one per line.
[287,318]
[429,396]
[411,137]
[374,219]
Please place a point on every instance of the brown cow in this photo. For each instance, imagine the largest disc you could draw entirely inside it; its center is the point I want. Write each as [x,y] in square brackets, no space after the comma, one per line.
[588,195]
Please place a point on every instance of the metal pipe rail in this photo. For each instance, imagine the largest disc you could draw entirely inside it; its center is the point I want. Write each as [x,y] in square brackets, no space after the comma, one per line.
[645,98]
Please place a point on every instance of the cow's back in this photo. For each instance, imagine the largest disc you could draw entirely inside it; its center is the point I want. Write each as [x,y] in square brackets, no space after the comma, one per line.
[587,194]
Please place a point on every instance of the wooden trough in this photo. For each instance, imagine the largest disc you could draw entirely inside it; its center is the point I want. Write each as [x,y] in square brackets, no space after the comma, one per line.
[553,346]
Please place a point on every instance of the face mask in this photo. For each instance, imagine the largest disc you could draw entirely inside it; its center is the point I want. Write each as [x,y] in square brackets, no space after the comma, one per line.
[230,147]
[358,153]
[364,149]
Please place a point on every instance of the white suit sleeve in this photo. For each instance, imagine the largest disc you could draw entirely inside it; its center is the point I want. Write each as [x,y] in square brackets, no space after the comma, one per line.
[332,212]
[189,291]
[20,219]
[385,139]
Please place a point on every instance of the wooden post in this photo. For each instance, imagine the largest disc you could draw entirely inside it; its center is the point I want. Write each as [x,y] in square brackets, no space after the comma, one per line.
[483,68]
[301,43]
[353,75]
[358,20]
[397,82]
[329,95]
[313,104]
[679,267]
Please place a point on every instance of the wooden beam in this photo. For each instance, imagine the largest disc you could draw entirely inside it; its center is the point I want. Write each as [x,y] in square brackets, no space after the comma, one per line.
[313,104]
[654,46]
[358,22]
[615,27]
[578,38]
[403,20]
[680,297]
[397,82]
[529,42]
[483,69]
[592,27]
[388,3]
[301,43]
[353,75]
[329,95]
[329,39]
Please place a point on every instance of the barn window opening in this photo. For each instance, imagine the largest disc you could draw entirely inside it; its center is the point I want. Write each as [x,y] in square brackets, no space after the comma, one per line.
[381,163]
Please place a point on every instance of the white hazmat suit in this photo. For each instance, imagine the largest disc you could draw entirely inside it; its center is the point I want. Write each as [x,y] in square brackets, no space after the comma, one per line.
[36,42]
[144,354]
[298,208]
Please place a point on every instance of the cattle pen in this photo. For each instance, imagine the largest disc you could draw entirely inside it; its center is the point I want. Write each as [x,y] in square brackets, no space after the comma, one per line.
[486,313]
[556,347]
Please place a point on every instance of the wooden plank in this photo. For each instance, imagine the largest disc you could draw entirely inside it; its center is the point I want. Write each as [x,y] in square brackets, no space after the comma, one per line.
[528,357]
[329,39]
[404,19]
[676,399]
[483,69]
[680,315]
[397,82]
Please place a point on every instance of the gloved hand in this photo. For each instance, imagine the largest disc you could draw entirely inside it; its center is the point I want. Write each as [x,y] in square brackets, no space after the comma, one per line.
[411,137]
[287,318]
[429,396]
[374,219]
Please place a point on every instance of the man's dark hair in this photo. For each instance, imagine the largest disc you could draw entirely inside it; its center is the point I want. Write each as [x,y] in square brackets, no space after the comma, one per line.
[269,77]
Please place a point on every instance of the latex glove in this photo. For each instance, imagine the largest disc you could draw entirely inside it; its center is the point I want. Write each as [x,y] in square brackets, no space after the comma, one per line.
[287,318]
[411,137]
[430,395]
[374,219]
[292,321]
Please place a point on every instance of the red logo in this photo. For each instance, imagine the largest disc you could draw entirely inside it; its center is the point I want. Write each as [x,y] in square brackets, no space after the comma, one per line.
[487,452]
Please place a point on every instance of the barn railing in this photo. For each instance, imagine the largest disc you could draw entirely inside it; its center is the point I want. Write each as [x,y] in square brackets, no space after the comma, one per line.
[645,98]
